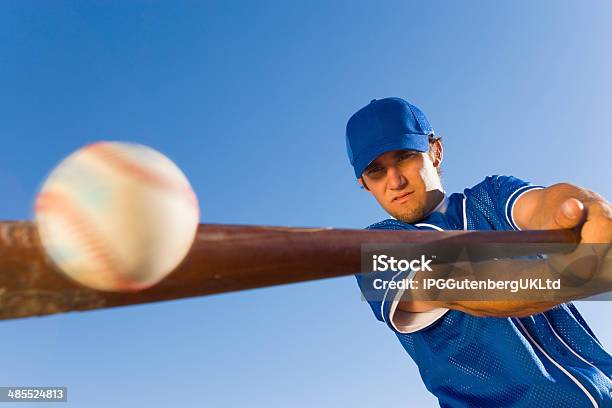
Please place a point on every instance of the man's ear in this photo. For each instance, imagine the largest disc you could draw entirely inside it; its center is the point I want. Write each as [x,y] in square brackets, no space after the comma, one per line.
[437,153]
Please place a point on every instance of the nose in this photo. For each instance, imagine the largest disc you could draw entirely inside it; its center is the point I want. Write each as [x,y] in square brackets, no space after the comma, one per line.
[395,179]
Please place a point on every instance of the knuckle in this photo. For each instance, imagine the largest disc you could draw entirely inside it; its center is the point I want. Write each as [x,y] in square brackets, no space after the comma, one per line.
[600,208]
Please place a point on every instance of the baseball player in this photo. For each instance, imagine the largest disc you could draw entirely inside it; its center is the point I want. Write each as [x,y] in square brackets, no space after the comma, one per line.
[479,354]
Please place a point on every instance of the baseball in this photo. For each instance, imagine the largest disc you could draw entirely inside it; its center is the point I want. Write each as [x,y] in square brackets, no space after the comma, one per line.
[117,216]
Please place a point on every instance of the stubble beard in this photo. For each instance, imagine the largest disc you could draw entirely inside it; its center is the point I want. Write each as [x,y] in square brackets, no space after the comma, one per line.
[410,216]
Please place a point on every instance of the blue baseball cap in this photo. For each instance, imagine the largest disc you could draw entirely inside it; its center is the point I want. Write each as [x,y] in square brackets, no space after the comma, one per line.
[384,125]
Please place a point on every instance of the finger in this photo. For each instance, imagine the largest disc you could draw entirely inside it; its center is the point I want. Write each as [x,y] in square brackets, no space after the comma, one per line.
[598,227]
[569,214]
[599,209]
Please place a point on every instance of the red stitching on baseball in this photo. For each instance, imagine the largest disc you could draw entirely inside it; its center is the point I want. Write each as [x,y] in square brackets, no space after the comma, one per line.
[89,237]
[117,160]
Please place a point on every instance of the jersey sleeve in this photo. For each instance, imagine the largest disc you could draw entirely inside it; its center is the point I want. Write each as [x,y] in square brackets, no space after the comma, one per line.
[490,203]
[377,297]
[384,300]
[381,298]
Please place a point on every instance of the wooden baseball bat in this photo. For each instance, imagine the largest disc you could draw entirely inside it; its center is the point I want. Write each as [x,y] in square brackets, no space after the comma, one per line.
[223,258]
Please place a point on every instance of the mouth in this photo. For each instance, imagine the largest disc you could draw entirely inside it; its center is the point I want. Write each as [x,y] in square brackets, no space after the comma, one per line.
[402,198]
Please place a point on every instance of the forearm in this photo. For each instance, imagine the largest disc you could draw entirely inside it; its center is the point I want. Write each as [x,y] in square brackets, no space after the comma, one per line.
[556,207]
[579,274]
[478,303]
[481,308]
[502,308]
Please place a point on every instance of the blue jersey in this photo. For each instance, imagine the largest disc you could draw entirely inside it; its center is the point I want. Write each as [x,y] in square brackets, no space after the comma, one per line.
[551,359]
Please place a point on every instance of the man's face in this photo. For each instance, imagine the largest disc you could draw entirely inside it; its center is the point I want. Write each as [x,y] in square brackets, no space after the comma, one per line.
[406,182]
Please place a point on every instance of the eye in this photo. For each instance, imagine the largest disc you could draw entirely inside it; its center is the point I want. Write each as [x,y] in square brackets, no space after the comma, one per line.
[374,171]
[406,156]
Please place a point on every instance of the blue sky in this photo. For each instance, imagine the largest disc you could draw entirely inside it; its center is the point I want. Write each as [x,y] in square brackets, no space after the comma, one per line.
[251,100]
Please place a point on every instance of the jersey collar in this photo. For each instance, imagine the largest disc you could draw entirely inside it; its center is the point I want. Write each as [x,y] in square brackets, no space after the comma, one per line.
[441,207]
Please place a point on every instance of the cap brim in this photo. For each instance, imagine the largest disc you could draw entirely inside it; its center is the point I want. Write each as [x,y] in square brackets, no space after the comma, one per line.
[410,141]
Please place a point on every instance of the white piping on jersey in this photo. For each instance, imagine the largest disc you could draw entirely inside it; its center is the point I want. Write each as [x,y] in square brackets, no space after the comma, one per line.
[571,349]
[464,212]
[523,190]
[422,224]
[559,366]
[382,304]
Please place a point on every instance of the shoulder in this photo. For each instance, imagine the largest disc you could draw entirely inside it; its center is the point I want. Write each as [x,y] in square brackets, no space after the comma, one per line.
[489,204]
[497,190]
[497,183]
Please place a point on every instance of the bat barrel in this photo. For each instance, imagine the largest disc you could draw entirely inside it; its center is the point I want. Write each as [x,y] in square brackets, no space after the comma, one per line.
[223,258]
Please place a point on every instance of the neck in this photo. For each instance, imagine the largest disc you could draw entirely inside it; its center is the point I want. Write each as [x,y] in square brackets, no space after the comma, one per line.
[435,198]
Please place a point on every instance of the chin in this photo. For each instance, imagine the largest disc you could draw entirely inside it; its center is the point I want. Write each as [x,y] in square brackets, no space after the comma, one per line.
[410,216]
